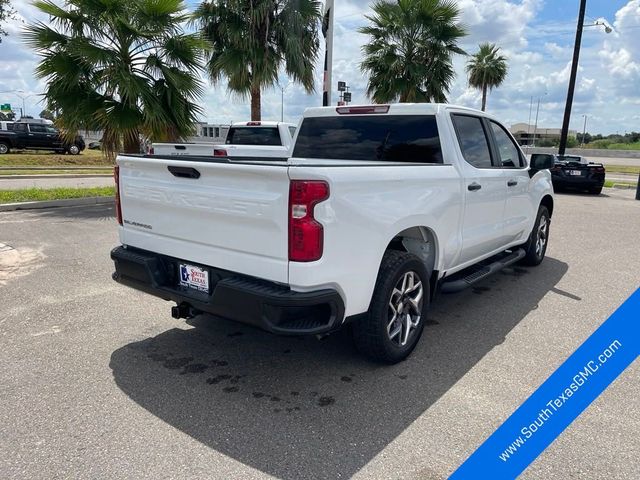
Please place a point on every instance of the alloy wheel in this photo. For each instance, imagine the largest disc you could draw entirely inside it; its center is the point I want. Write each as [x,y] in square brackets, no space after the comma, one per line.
[405,308]
[541,237]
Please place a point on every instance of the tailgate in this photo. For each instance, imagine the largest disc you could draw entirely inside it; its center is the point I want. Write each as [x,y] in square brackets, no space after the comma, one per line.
[232,216]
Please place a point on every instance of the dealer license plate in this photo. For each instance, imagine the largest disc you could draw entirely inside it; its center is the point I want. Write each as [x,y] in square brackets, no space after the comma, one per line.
[575,172]
[194,277]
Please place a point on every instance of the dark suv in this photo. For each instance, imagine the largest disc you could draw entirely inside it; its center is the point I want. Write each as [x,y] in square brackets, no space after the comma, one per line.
[38,136]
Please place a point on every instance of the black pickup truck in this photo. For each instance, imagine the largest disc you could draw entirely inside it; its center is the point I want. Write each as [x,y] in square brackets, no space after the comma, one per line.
[38,136]
[575,172]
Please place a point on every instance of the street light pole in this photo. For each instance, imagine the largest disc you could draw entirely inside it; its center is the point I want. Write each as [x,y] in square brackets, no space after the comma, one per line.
[572,79]
[535,128]
[282,89]
[529,122]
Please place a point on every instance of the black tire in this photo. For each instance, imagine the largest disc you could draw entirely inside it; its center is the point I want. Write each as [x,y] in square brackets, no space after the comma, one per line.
[535,255]
[372,334]
[595,190]
[4,148]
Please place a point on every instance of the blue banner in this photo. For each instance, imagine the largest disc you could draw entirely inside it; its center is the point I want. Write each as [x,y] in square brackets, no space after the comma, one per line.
[560,399]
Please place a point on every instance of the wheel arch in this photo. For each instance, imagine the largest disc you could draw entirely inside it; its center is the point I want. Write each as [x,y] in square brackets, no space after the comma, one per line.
[420,240]
[547,201]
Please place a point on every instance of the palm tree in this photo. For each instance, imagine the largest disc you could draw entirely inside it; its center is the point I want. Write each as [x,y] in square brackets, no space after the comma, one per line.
[408,56]
[486,69]
[122,66]
[252,39]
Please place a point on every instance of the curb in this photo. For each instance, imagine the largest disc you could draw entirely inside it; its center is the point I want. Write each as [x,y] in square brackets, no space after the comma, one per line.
[57,175]
[69,202]
[623,186]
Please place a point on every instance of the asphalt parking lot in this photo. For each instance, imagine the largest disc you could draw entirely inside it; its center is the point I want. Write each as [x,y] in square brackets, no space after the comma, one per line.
[98,381]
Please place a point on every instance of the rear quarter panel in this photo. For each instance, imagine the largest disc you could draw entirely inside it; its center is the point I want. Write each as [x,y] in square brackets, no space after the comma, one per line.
[367,207]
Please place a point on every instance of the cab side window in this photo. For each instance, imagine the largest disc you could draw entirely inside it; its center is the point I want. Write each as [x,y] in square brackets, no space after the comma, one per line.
[473,140]
[509,155]
[37,128]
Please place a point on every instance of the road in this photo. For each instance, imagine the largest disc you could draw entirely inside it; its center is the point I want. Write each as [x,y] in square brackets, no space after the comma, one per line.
[98,381]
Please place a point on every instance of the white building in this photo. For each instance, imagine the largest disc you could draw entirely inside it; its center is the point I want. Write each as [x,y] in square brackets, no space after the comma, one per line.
[210,132]
[525,134]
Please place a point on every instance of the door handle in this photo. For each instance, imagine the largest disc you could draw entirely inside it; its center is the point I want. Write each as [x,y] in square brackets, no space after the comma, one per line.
[183,172]
[512,183]
[472,187]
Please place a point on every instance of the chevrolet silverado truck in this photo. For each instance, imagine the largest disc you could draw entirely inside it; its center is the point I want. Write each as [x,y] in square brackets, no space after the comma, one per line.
[36,135]
[244,140]
[376,210]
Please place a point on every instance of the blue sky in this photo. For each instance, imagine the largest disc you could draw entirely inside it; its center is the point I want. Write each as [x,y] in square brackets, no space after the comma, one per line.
[536,35]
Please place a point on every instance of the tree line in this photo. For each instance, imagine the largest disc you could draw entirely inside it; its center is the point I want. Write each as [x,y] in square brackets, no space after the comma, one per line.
[133,67]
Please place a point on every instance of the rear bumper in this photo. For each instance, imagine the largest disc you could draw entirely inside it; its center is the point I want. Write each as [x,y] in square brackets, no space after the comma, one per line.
[248,300]
[577,182]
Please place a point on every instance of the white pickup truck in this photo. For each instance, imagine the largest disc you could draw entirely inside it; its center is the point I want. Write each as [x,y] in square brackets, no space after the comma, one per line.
[244,140]
[377,209]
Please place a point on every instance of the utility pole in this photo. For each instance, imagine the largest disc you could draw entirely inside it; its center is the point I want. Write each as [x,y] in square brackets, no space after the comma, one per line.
[584,130]
[327,32]
[529,122]
[535,128]
[572,79]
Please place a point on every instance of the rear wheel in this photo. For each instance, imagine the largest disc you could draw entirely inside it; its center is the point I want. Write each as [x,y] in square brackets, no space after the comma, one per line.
[395,320]
[536,246]
[595,190]
[4,148]
[74,149]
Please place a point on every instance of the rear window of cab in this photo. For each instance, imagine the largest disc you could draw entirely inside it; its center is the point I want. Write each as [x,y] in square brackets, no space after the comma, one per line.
[386,138]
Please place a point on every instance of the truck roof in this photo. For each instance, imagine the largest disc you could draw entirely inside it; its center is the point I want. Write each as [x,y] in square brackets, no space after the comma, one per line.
[261,124]
[393,108]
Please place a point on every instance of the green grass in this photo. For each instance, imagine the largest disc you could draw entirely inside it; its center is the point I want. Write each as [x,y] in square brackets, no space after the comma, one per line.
[45,159]
[620,168]
[611,183]
[624,146]
[39,194]
[18,171]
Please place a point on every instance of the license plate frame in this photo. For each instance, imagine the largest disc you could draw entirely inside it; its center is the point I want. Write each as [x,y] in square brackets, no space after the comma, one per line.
[193,277]
[575,173]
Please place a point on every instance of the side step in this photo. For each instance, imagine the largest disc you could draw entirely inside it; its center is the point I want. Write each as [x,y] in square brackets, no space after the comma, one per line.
[474,274]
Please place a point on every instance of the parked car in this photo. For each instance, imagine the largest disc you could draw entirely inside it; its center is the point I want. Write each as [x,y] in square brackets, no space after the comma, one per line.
[244,140]
[378,209]
[36,135]
[575,172]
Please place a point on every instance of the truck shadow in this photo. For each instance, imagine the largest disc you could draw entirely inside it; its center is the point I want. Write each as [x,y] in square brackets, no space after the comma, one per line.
[302,408]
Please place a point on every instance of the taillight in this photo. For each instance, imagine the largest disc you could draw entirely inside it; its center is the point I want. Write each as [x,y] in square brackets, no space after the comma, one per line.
[116,178]
[151,151]
[306,235]
[219,152]
[597,170]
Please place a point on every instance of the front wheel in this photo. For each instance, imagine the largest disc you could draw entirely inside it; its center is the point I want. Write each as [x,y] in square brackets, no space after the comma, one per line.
[536,246]
[4,148]
[396,316]
[74,150]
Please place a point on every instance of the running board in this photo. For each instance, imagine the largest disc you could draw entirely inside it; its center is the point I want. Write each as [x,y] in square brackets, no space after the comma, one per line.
[478,273]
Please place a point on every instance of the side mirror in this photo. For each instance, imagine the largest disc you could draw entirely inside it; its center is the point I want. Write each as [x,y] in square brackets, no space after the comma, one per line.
[541,161]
